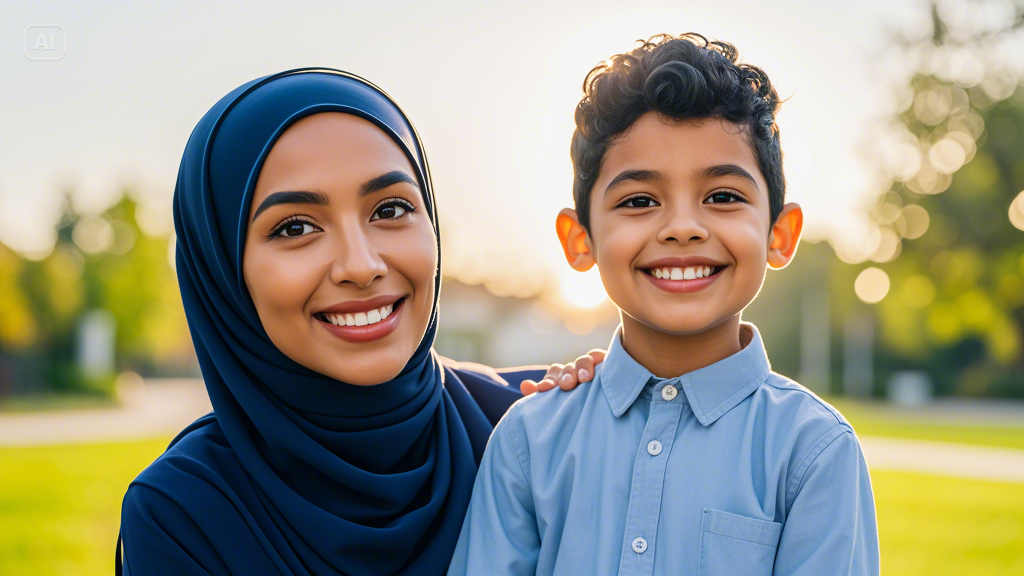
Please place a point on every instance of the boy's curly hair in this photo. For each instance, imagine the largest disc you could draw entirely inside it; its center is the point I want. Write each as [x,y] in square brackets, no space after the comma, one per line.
[682,77]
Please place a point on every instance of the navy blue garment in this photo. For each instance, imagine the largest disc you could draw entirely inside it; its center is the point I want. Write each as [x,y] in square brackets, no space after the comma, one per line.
[295,472]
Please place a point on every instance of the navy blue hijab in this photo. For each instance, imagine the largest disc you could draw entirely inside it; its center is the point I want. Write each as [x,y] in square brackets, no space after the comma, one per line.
[299,473]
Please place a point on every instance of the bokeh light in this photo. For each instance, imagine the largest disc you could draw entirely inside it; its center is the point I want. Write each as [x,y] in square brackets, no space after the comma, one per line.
[872,285]
[582,289]
[1017,212]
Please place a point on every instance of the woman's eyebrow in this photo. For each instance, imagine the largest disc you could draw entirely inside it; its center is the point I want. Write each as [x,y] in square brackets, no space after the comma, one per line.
[727,170]
[383,181]
[315,198]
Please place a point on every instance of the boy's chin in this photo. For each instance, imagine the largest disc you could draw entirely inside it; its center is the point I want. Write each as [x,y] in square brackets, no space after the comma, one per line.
[687,326]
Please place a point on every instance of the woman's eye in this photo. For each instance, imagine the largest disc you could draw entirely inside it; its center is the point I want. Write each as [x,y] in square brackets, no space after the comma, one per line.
[391,211]
[638,202]
[723,198]
[295,229]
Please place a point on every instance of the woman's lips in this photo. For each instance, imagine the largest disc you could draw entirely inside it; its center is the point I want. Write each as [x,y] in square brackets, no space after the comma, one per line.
[367,332]
[684,284]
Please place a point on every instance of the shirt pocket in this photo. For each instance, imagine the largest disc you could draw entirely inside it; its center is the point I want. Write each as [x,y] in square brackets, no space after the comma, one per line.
[734,545]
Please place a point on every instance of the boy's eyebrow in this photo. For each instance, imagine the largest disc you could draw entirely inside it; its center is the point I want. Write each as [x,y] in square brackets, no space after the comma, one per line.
[299,197]
[635,175]
[383,181]
[727,170]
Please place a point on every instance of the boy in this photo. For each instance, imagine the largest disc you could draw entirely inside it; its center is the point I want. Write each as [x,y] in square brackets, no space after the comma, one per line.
[687,455]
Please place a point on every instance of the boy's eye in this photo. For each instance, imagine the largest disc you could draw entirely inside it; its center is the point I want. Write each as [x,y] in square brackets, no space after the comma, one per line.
[392,209]
[723,197]
[294,229]
[638,202]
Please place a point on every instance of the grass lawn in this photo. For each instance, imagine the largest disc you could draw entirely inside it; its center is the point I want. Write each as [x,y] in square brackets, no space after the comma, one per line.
[59,508]
[873,421]
[60,505]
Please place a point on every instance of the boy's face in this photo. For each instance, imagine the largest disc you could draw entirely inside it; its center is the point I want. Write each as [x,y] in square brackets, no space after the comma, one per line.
[680,225]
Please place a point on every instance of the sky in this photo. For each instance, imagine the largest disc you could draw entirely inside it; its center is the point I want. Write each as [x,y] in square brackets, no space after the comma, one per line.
[491,87]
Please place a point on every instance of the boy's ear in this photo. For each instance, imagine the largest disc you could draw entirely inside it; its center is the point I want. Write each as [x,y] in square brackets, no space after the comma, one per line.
[575,241]
[785,236]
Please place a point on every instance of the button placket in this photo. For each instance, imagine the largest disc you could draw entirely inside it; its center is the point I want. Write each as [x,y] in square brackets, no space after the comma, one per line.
[649,468]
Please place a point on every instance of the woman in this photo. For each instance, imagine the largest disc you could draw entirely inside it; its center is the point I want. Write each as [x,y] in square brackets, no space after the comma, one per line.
[308,261]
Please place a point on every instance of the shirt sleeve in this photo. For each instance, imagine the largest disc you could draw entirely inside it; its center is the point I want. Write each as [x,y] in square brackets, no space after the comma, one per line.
[831,527]
[499,535]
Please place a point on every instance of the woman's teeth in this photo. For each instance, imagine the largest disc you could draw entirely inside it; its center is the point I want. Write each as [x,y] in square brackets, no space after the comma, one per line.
[688,273]
[360,318]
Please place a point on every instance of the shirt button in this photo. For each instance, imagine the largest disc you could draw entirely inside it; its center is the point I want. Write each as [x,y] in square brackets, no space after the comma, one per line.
[668,393]
[639,545]
[654,447]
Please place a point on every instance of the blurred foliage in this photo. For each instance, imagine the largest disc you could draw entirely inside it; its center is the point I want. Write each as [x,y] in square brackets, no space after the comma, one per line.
[948,240]
[101,261]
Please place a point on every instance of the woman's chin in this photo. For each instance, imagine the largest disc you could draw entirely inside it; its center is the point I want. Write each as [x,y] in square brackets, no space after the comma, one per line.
[372,375]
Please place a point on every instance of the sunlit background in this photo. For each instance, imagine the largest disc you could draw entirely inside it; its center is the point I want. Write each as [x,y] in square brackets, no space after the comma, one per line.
[903,134]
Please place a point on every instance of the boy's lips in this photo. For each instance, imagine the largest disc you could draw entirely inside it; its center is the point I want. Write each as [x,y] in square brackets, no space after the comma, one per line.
[682,275]
[362,321]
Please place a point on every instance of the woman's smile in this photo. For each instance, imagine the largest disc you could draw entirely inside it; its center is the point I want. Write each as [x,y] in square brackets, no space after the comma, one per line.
[363,321]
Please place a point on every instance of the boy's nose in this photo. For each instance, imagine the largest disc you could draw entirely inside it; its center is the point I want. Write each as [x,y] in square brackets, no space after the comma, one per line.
[682,227]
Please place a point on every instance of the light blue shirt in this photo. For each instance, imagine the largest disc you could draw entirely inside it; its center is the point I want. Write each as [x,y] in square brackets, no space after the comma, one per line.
[728,470]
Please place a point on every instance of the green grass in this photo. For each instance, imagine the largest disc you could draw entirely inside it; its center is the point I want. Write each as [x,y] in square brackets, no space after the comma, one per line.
[59,514]
[937,526]
[60,505]
[868,419]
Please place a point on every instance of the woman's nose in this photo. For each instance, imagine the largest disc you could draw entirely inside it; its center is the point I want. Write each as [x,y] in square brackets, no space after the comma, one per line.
[357,260]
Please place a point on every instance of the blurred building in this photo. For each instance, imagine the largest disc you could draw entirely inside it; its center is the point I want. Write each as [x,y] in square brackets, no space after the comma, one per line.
[478,326]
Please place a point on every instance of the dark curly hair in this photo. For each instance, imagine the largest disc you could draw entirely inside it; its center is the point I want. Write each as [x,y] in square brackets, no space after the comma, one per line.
[682,77]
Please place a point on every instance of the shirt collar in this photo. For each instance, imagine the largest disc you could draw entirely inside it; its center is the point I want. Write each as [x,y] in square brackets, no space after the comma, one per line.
[711,391]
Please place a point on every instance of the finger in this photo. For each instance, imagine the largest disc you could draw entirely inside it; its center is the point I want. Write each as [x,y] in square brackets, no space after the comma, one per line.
[598,355]
[545,385]
[527,387]
[584,368]
[554,371]
[567,378]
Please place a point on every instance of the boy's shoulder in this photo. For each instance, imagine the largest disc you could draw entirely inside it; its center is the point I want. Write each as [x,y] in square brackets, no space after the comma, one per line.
[543,410]
[795,400]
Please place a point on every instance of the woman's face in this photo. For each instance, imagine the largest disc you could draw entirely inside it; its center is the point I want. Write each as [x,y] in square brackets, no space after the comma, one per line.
[340,255]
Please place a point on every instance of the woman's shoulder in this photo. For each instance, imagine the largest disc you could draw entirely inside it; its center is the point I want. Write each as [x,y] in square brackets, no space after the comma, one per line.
[175,513]
[200,444]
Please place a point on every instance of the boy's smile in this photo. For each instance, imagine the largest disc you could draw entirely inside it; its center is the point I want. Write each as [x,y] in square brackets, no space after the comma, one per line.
[680,230]
[682,274]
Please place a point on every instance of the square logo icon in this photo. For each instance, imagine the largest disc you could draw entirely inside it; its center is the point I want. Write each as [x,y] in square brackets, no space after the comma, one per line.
[45,42]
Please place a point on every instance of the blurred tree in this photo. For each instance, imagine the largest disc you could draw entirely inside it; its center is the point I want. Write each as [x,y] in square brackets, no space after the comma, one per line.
[950,229]
[100,261]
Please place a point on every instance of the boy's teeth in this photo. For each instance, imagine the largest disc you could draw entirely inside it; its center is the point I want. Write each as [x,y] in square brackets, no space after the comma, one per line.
[690,273]
[361,318]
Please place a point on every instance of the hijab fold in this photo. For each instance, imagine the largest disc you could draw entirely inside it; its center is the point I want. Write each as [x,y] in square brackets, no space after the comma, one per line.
[331,478]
